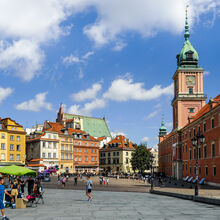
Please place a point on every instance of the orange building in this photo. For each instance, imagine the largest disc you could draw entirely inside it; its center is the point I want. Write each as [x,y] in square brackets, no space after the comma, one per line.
[177,156]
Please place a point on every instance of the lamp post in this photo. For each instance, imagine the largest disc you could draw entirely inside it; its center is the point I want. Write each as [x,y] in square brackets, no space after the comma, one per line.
[152,171]
[195,141]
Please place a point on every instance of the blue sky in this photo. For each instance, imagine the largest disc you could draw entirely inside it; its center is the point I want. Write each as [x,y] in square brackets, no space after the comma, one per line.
[112,58]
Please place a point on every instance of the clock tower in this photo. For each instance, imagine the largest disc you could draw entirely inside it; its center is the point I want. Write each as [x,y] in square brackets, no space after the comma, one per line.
[188,84]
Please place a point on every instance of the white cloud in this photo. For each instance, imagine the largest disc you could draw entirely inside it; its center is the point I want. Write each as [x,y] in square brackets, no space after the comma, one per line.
[145,140]
[23,57]
[4,93]
[206,73]
[87,94]
[87,108]
[35,104]
[119,46]
[88,54]
[115,18]
[169,124]
[71,59]
[122,90]
[117,132]
[81,74]
[152,114]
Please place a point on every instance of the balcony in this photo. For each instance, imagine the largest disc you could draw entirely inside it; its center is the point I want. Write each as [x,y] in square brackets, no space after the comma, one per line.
[189,96]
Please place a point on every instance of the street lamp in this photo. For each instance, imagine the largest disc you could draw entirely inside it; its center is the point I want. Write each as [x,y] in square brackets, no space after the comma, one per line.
[152,170]
[195,141]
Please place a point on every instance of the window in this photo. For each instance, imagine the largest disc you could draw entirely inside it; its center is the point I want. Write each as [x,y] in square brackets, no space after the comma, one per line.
[95,158]
[206,170]
[190,90]
[75,150]
[11,146]
[49,136]
[18,138]
[66,139]
[16,129]
[127,160]
[71,156]
[113,153]
[3,136]
[75,158]
[18,157]
[66,147]
[54,145]
[79,150]
[86,143]
[2,146]
[70,147]
[190,134]
[190,154]
[185,147]
[204,127]
[194,153]
[86,151]
[75,143]
[186,166]
[117,153]
[61,166]
[219,151]
[44,144]
[79,158]
[2,156]
[212,123]
[12,128]
[213,149]
[190,110]
[43,155]
[54,155]
[109,154]
[49,145]
[11,156]
[92,158]
[12,137]
[109,161]
[67,156]
[79,143]
[214,170]
[49,155]
[62,147]
[126,153]
[199,153]
[18,147]
[62,156]
[92,151]
[62,139]
[190,170]
[204,151]
[54,137]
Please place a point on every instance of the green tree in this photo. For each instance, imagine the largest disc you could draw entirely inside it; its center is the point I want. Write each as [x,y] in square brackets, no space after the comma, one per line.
[140,159]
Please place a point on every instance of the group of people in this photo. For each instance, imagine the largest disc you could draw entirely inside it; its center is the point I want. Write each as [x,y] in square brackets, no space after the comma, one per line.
[104,181]
[16,187]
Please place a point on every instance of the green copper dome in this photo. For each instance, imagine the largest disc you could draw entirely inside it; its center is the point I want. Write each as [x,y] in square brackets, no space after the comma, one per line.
[188,56]
[163,129]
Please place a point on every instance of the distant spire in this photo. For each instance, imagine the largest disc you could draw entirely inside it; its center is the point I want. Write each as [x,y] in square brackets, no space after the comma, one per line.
[187,34]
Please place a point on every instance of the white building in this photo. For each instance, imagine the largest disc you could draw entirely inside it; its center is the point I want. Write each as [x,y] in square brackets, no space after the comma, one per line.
[35,128]
[42,150]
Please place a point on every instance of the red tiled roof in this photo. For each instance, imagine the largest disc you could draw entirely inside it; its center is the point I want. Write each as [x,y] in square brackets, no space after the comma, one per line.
[33,160]
[35,165]
[38,137]
[101,138]
[121,141]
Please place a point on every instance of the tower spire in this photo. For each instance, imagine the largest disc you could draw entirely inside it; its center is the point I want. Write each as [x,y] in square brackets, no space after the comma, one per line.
[187,34]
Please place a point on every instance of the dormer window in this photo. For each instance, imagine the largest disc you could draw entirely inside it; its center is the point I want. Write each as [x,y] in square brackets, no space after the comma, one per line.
[189,55]
[190,90]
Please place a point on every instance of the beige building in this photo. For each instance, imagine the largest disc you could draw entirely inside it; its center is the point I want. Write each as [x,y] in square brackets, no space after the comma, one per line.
[154,152]
[115,156]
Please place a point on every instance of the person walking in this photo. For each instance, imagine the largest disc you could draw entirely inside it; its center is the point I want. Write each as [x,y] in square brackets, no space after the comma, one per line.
[2,194]
[89,188]
[107,180]
[75,180]
[63,182]
[31,185]
[22,184]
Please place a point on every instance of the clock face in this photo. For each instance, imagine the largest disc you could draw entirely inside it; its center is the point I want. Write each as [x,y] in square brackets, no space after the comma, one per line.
[190,80]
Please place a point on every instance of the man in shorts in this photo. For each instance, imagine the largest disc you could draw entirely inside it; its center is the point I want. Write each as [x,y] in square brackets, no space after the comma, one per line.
[89,188]
[2,193]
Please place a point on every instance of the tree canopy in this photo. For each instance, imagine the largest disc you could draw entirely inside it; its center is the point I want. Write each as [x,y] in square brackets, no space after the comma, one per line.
[140,159]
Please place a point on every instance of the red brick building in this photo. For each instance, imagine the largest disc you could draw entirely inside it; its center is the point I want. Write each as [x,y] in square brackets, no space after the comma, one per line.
[177,156]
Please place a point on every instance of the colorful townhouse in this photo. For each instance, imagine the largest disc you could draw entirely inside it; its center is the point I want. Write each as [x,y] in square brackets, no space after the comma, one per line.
[12,142]
[116,155]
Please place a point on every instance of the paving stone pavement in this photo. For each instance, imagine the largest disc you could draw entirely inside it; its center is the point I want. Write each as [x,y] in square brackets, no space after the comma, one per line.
[72,204]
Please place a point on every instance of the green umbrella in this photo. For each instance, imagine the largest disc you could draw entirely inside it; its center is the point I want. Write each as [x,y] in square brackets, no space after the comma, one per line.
[17,171]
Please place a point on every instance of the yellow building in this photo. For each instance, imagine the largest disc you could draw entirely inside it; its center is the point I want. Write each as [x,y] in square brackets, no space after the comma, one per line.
[115,157]
[12,142]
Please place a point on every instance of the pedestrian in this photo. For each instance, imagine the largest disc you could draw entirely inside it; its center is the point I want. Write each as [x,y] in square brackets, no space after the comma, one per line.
[104,180]
[58,178]
[63,182]
[31,185]
[89,188]
[22,184]
[75,180]
[14,188]
[2,192]
[107,180]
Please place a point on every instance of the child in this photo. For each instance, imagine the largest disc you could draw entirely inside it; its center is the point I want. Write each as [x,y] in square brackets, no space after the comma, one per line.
[89,188]
[107,180]
[2,192]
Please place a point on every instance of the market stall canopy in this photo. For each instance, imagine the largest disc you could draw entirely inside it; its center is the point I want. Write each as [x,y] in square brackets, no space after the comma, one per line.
[17,171]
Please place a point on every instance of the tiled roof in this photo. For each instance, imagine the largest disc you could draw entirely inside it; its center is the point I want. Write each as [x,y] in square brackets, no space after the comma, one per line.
[36,138]
[35,165]
[101,138]
[96,127]
[119,141]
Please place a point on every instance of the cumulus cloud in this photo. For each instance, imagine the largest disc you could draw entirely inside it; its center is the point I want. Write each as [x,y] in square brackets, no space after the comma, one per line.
[117,132]
[4,93]
[71,59]
[122,90]
[87,94]
[87,108]
[36,104]
[145,140]
[119,46]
